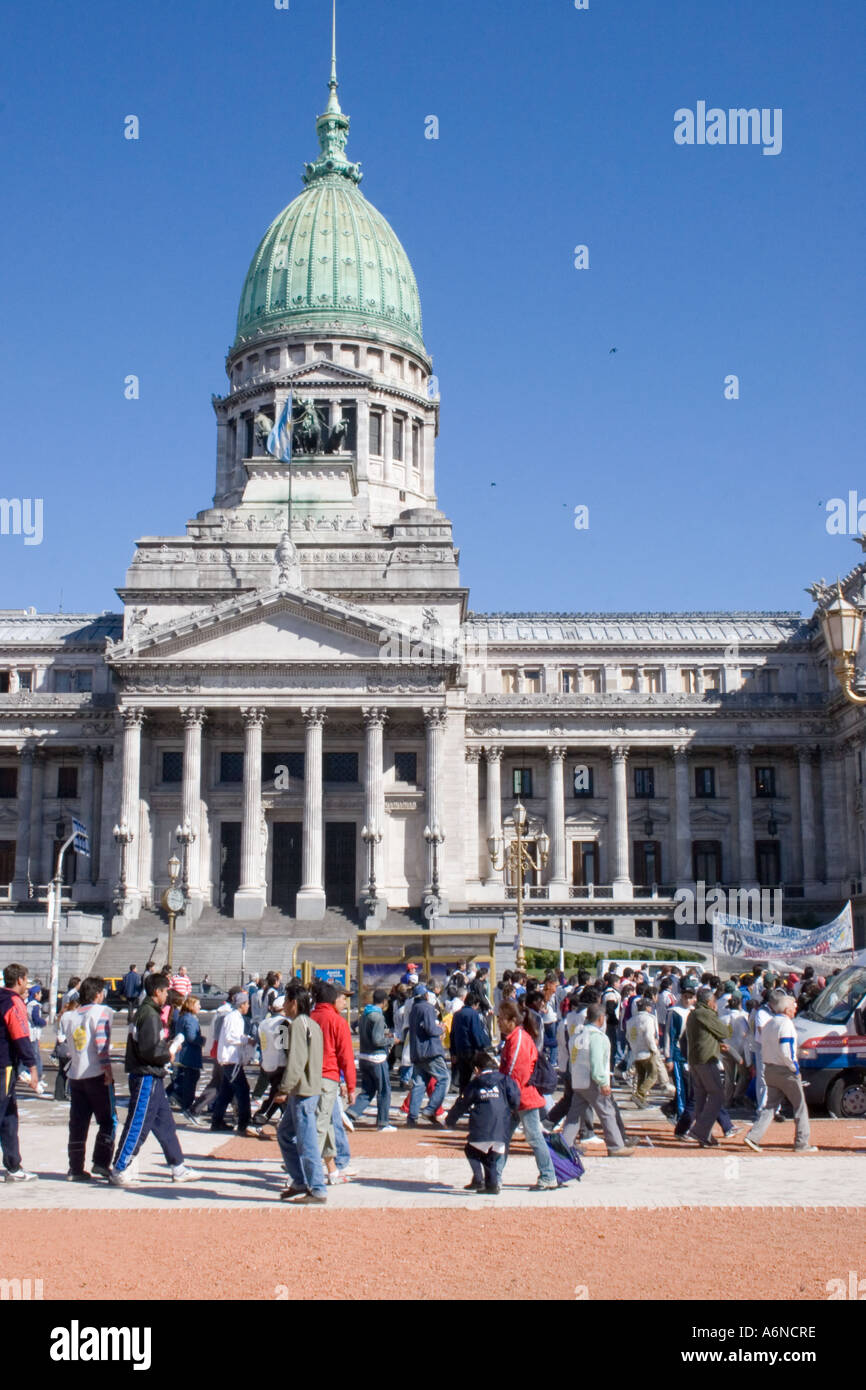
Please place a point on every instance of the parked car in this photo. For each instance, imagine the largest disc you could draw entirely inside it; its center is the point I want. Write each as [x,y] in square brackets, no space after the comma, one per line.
[831,1045]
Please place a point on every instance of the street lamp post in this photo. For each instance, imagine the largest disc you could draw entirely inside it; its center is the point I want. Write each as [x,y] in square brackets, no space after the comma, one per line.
[173,901]
[435,837]
[371,837]
[185,836]
[123,838]
[517,857]
[842,625]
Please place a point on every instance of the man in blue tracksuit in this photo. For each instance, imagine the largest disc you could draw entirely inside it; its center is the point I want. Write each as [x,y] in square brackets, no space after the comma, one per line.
[491,1100]
[427,1056]
[468,1036]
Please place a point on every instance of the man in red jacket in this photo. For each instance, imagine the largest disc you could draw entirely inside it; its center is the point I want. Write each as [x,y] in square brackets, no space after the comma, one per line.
[338,1058]
[16,1051]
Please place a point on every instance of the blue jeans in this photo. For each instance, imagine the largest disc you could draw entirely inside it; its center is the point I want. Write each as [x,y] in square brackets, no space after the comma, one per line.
[435,1067]
[342,1154]
[531,1120]
[299,1144]
[374,1083]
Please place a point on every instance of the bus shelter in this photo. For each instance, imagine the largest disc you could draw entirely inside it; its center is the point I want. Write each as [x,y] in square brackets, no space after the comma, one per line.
[384,955]
[323,960]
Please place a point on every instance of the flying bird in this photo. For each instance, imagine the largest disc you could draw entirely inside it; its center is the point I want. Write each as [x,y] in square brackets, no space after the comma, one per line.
[614,349]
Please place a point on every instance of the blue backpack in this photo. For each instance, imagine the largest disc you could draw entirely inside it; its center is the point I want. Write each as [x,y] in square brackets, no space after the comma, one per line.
[566,1162]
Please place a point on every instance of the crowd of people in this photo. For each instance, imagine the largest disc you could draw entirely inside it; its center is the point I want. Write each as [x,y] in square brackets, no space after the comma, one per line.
[542,1055]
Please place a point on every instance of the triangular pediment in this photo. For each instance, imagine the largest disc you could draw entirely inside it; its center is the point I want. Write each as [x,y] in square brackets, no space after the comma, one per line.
[269,626]
[323,372]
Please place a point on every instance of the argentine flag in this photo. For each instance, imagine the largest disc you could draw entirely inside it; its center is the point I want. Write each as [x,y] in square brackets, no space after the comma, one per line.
[280,437]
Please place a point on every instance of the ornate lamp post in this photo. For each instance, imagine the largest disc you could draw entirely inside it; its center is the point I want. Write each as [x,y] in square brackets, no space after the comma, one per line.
[174,901]
[435,838]
[123,837]
[518,859]
[185,836]
[371,837]
[842,625]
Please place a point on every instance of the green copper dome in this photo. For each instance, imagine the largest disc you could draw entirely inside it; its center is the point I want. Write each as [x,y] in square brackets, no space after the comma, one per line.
[330,260]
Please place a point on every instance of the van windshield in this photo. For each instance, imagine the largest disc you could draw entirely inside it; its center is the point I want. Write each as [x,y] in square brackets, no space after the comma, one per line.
[838,999]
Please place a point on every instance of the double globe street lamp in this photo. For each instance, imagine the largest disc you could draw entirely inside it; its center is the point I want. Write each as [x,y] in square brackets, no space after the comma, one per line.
[519,860]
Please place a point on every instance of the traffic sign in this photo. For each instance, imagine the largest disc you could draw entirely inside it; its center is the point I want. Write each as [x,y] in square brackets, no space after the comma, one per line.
[80,842]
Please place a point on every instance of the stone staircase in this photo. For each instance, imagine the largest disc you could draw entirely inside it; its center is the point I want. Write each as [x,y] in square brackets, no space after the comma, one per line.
[213,945]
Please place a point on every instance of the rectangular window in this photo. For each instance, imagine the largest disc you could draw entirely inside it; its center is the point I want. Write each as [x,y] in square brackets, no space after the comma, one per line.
[713,679]
[532,682]
[643,929]
[340,767]
[628,678]
[4,682]
[584,864]
[231,767]
[7,860]
[406,768]
[603,928]
[582,781]
[172,765]
[668,931]
[509,682]
[765,781]
[521,781]
[67,783]
[73,681]
[9,782]
[249,437]
[416,446]
[25,680]
[577,925]
[768,681]
[707,862]
[654,682]
[705,781]
[644,782]
[376,433]
[399,429]
[277,766]
[349,413]
[647,862]
[593,681]
[70,863]
[689,679]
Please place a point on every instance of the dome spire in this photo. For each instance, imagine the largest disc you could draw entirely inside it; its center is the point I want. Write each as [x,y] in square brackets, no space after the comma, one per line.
[332,129]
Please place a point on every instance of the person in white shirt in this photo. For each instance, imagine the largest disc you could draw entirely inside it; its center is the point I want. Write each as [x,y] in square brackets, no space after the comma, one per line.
[234,1050]
[782,1074]
[759,1016]
[87,1030]
[273,1033]
[737,1058]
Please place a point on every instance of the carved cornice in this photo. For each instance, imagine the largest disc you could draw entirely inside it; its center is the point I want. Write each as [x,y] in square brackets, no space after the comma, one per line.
[557,753]
[193,716]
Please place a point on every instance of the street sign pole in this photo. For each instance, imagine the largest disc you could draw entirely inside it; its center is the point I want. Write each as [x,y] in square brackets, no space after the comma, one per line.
[244,958]
[78,839]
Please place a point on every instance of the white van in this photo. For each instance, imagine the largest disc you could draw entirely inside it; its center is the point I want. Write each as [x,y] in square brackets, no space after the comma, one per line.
[831,1045]
[654,968]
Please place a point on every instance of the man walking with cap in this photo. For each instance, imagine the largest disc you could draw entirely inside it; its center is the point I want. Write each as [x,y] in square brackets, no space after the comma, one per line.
[781,1074]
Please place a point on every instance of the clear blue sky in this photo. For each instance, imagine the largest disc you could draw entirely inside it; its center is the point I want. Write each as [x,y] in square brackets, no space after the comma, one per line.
[556,128]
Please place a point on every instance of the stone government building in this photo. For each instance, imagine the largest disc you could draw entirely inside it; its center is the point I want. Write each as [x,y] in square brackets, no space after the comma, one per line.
[301,666]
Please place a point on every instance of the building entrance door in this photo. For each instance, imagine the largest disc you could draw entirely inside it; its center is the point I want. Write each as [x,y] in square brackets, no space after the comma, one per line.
[340,869]
[286,870]
[230,863]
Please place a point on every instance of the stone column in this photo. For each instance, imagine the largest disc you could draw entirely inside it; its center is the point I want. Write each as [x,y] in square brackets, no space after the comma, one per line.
[362,449]
[374,787]
[807,815]
[130,803]
[387,444]
[434,718]
[556,755]
[88,808]
[621,879]
[473,757]
[683,869]
[311,895]
[193,724]
[22,841]
[493,758]
[833,816]
[745,822]
[250,897]
[38,872]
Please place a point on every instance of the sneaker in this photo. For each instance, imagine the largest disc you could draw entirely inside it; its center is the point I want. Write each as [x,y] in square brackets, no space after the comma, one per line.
[411,1124]
[710,1143]
[756,1148]
[686,1138]
[544,1186]
[625,1152]
[120,1177]
[310,1199]
[348,1171]
[334,1179]
[192,1119]
[490,1191]
[438,1119]
[288,1194]
[98,1171]
[729,1133]
[592,1139]
[19,1175]
[78,1177]
[806,1149]
[348,1121]
[222,1128]
[185,1174]
[386,1129]
[473,1186]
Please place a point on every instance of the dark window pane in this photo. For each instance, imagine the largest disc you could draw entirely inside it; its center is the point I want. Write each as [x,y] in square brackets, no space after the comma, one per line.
[67,783]
[172,766]
[398,439]
[64,682]
[765,781]
[375,434]
[668,931]
[349,412]
[8,781]
[340,767]
[705,781]
[276,765]
[583,781]
[7,860]
[644,781]
[707,861]
[84,681]
[643,929]
[768,863]
[25,680]
[231,767]
[521,782]
[604,928]
[406,768]
[4,682]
